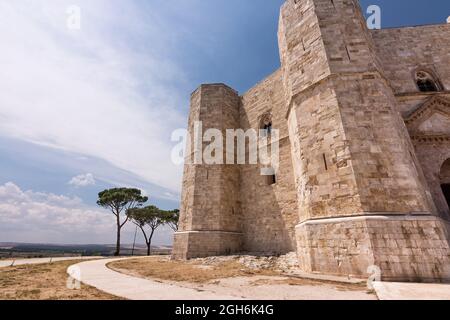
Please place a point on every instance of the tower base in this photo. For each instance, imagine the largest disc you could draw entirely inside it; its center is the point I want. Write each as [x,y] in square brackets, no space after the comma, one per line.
[395,248]
[200,244]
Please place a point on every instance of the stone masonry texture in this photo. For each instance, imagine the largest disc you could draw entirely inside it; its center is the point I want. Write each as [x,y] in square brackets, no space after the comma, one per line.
[364,154]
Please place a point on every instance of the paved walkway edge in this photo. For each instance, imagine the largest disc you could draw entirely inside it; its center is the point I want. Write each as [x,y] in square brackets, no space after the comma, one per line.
[96,274]
[21,262]
[411,291]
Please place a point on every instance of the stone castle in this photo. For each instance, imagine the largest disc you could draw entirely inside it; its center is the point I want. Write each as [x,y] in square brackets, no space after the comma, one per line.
[364,174]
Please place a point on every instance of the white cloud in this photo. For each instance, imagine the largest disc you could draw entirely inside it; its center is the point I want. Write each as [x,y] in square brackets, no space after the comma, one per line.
[28,216]
[104,91]
[83,180]
[171,196]
[35,216]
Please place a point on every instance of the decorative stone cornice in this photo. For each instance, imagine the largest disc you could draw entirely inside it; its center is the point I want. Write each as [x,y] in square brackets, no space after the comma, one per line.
[430,138]
[430,106]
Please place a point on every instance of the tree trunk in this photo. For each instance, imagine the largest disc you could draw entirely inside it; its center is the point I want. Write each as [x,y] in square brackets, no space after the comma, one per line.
[117,253]
[149,249]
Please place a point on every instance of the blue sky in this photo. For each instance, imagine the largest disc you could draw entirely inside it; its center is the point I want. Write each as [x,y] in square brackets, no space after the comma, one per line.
[84,110]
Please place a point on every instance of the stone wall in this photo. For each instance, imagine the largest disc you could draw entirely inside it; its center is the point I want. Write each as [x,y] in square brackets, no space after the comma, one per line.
[303,59]
[269,211]
[210,217]
[404,51]
[353,190]
[353,146]
[432,154]
[196,244]
[352,153]
[401,248]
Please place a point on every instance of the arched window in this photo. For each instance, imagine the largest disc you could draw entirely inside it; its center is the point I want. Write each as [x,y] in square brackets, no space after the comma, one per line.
[426,82]
[266,124]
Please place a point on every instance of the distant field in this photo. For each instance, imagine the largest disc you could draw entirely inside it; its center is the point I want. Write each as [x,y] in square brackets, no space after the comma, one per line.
[22,250]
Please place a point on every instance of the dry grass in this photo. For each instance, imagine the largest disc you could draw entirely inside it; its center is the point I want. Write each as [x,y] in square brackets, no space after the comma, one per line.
[163,268]
[44,282]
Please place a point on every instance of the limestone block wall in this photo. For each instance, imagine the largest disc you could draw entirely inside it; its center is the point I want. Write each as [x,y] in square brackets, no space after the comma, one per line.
[352,155]
[382,155]
[187,194]
[401,248]
[303,58]
[407,103]
[353,144]
[210,217]
[195,244]
[347,41]
[432,154]
[326,184]
[269,211]
[352,191]
[314,116]
[404,50]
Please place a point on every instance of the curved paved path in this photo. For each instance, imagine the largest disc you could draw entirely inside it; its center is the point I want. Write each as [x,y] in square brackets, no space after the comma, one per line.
[97,274]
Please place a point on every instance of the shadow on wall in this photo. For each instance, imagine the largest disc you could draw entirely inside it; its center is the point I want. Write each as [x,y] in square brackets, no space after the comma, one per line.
[269,204]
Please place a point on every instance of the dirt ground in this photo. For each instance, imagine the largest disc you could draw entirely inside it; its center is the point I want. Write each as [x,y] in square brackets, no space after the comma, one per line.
[239,277]
[44,282]
[191,271]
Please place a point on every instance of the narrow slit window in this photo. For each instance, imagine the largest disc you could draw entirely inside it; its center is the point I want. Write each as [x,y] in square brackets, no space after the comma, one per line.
[266,125]
[325,162]
[268,128]
[271,180]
